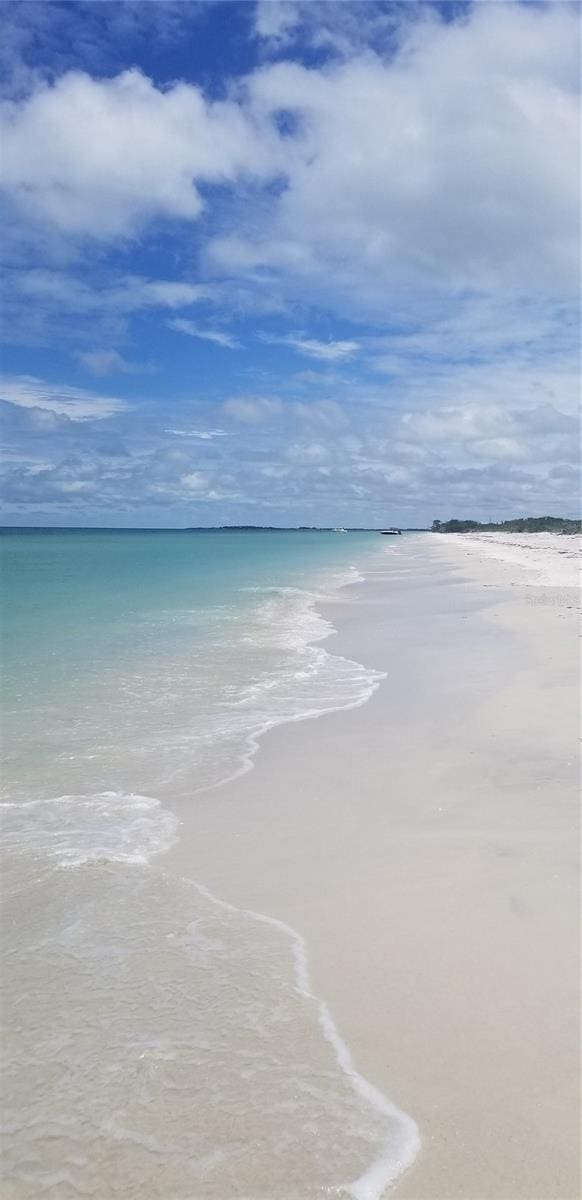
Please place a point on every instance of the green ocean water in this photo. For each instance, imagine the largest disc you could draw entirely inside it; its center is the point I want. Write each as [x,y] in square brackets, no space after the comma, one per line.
[120,646]
[68,596]
[169,1044]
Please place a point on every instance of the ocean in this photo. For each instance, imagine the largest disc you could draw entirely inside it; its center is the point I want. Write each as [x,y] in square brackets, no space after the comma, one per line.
[158,1042]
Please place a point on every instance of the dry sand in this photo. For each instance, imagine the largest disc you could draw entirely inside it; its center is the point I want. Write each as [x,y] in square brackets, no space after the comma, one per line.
[427,847]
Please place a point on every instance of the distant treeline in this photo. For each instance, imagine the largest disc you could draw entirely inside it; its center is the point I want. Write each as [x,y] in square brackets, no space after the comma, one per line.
[518,525]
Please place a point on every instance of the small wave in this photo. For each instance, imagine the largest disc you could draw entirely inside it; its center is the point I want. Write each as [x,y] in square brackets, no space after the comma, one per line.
[204,1045]
[392,1161]
[183,725]
[74,830]
[306,680]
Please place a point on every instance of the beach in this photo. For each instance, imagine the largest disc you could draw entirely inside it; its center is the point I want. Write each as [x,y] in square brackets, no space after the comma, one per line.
[426,847]
[334,952]
[290,828]
[290,852]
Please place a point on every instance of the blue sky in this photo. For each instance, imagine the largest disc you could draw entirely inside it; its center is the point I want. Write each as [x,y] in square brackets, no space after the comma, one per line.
[289,263]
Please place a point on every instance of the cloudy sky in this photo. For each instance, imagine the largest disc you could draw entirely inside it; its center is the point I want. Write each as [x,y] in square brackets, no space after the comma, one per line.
[289,263]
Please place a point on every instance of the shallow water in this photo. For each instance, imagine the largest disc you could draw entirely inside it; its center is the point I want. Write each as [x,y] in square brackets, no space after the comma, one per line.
[159,1042]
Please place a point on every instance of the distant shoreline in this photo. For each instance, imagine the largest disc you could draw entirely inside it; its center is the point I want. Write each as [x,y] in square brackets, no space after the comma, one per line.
[201,529]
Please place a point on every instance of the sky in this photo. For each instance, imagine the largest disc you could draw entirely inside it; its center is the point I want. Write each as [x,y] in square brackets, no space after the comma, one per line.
[289,263]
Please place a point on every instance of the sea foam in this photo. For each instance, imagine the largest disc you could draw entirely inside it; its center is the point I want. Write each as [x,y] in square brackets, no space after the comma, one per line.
[72,830]
[175,1048]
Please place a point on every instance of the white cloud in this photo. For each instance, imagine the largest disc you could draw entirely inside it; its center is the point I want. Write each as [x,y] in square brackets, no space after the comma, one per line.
[101,157]
[320,412]
[504,383]
[327,351]
[330,351]
[275,471]
[97,305]
[200,485]
[341,29]
[134,293]
[274,19]
[74,486]
[101,34]
[195,481]
[110,362]
[311,453]
[128,293]
[468,434]
[226,340]
[452,166]
[466,424]
[479,329]
[205,435]
[253,411]
[26,391]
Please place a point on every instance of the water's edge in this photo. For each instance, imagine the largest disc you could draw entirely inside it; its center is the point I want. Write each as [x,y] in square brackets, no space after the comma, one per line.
[128,830]
[386,1169]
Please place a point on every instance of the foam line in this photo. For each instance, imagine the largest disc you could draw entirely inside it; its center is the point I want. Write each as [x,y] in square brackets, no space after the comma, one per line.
[321,628]
[387,1167]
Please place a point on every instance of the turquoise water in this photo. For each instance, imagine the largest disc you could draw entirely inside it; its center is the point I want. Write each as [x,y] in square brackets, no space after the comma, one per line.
[170,1045]
[70,597]
[135,661]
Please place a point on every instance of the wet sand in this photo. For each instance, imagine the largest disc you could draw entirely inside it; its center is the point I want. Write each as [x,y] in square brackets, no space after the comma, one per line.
[426,846]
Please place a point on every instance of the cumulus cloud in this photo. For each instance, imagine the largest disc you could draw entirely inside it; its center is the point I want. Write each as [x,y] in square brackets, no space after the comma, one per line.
[274,21]
[101,157]
[495,433]
[440,165]
[372,462]
[26,391]
[332,29]
[218,336]
[202,486]
[447,160]
[452,165]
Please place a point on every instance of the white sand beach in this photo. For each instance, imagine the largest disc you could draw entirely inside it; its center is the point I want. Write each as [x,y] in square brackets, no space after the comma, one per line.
[546,559]
[426,846]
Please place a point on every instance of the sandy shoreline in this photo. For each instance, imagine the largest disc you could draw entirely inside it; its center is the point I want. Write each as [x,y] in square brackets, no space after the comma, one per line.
[426,847]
